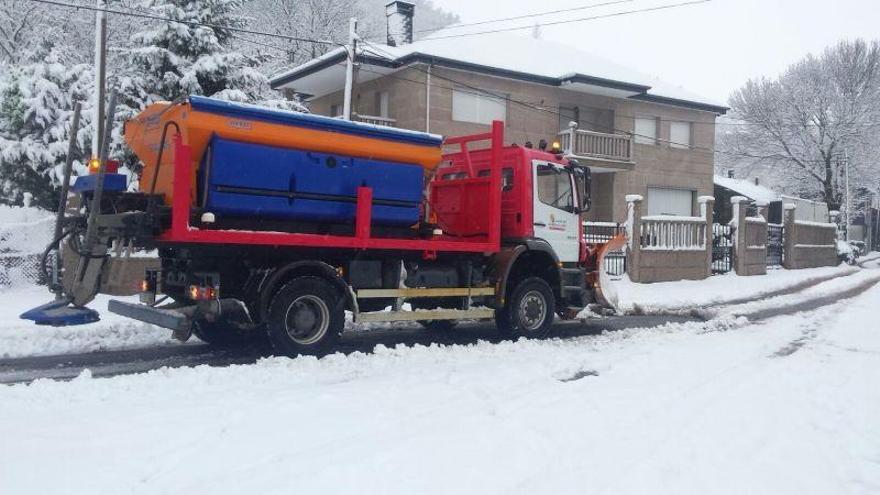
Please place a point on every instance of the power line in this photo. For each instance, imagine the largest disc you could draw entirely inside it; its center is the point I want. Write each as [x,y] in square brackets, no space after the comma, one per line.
[568,21]
[523,16]
[189,23]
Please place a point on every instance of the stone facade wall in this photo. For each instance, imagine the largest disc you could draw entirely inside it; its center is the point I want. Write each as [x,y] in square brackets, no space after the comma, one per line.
[808,244]
[656,164]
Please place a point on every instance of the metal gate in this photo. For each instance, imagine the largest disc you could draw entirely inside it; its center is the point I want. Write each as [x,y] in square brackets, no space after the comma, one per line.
[597,232]
[775,244]
[722,248]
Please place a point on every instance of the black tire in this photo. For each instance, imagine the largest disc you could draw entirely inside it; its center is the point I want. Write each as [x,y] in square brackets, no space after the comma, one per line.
[438,326]
[306,316]
[529,310]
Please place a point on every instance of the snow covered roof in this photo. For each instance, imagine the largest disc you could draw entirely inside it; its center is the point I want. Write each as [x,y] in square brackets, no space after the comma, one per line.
[500,54]
[748,189]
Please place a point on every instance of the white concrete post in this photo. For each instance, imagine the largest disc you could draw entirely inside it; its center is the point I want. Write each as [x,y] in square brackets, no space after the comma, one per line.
[738,223]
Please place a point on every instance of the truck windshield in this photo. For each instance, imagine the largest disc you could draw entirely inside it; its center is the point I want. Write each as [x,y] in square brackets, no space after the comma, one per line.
[554,187]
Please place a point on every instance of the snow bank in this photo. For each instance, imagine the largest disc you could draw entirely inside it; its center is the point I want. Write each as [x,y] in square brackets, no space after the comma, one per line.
[602,414]
[718,289]
[22,338]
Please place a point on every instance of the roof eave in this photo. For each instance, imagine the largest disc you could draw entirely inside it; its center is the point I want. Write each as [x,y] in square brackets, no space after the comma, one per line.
[416,57]
[693,105]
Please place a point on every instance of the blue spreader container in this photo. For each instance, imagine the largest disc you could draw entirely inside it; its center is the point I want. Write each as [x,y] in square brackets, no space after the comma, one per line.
[250,180]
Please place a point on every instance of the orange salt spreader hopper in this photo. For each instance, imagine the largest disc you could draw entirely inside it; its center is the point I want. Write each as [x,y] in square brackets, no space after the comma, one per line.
[200,119]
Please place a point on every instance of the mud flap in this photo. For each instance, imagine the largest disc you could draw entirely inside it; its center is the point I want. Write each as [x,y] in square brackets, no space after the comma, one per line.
[604,290]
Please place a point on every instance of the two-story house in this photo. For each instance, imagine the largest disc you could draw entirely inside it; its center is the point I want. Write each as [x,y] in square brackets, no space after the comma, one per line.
[639,135]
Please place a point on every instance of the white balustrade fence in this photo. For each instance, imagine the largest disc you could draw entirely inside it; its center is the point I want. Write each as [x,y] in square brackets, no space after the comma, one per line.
[671,233]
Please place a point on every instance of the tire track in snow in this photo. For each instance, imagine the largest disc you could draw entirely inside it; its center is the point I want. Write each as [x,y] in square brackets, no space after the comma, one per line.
[122,362]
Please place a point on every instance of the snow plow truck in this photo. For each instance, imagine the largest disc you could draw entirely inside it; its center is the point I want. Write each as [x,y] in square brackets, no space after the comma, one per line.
[275,223]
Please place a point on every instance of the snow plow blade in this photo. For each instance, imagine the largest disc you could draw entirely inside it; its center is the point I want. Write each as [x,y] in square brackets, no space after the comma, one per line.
[60,314]
[604,291]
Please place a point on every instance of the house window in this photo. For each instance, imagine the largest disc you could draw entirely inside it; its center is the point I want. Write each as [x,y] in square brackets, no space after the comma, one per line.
[554,187]
[680,135]
[472,106]
[568,115]
[646,130]
[671,201]
[381,104]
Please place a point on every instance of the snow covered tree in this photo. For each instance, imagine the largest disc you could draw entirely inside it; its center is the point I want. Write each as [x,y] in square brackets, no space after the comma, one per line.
[326,20]
[36,104]
[170,60]
[805,125]
[18,20]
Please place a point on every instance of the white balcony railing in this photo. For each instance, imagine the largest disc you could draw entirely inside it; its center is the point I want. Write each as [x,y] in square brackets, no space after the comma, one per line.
[376,120]
[597,145]
[371,119]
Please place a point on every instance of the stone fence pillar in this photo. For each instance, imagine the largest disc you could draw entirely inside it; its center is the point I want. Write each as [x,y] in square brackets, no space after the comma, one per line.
[634,234]
[738,223]
[789,237]
[707,204]
[763,210]
[834,217]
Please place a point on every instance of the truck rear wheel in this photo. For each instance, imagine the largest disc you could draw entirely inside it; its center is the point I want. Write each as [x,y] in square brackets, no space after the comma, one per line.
[306,316]
[528,311]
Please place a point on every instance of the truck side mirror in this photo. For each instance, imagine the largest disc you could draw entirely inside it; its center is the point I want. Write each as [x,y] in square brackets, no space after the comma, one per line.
[586,200]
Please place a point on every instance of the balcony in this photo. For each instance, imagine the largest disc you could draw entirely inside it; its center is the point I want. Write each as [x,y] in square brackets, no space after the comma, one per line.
[611,151]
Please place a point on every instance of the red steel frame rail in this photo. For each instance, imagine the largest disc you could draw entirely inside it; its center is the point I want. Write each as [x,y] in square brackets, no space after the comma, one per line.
[182,232]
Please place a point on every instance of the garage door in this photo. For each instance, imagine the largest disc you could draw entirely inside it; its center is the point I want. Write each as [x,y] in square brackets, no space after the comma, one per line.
[670,201]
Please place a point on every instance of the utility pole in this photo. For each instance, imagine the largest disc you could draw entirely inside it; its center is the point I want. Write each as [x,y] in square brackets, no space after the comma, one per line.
[848,206]
[349,68]
[100,77]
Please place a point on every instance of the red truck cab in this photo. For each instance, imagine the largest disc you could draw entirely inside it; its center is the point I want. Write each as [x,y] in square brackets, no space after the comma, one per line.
[543,196]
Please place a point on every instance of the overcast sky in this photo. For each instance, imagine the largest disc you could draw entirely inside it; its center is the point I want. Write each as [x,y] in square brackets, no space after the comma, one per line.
[710,49]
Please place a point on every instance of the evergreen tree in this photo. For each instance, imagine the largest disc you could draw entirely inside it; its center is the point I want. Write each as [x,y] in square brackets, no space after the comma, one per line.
[36,102]
[170,60]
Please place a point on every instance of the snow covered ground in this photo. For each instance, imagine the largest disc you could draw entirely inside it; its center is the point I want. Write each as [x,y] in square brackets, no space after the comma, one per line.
[21,338]
[718,289]
[790,405]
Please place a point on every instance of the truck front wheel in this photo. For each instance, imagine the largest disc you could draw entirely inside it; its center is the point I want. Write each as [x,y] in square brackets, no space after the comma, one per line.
[528,311]
[306,316]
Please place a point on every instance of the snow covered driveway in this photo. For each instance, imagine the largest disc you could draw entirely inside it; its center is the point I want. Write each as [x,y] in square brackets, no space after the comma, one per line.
[789,405]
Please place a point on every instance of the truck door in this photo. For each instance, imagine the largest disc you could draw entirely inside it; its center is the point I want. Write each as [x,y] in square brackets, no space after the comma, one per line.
[555,218]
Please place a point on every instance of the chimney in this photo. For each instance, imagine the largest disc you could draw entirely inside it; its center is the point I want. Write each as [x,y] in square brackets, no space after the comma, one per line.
[399,22]
[757,181]
[730,173]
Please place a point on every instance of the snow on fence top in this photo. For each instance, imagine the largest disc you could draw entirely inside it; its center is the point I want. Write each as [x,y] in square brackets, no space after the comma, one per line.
[823,225]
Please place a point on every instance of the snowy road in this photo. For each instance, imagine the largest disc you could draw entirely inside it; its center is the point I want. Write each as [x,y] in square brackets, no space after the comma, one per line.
[125,361]
[789,405]
[821,288]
